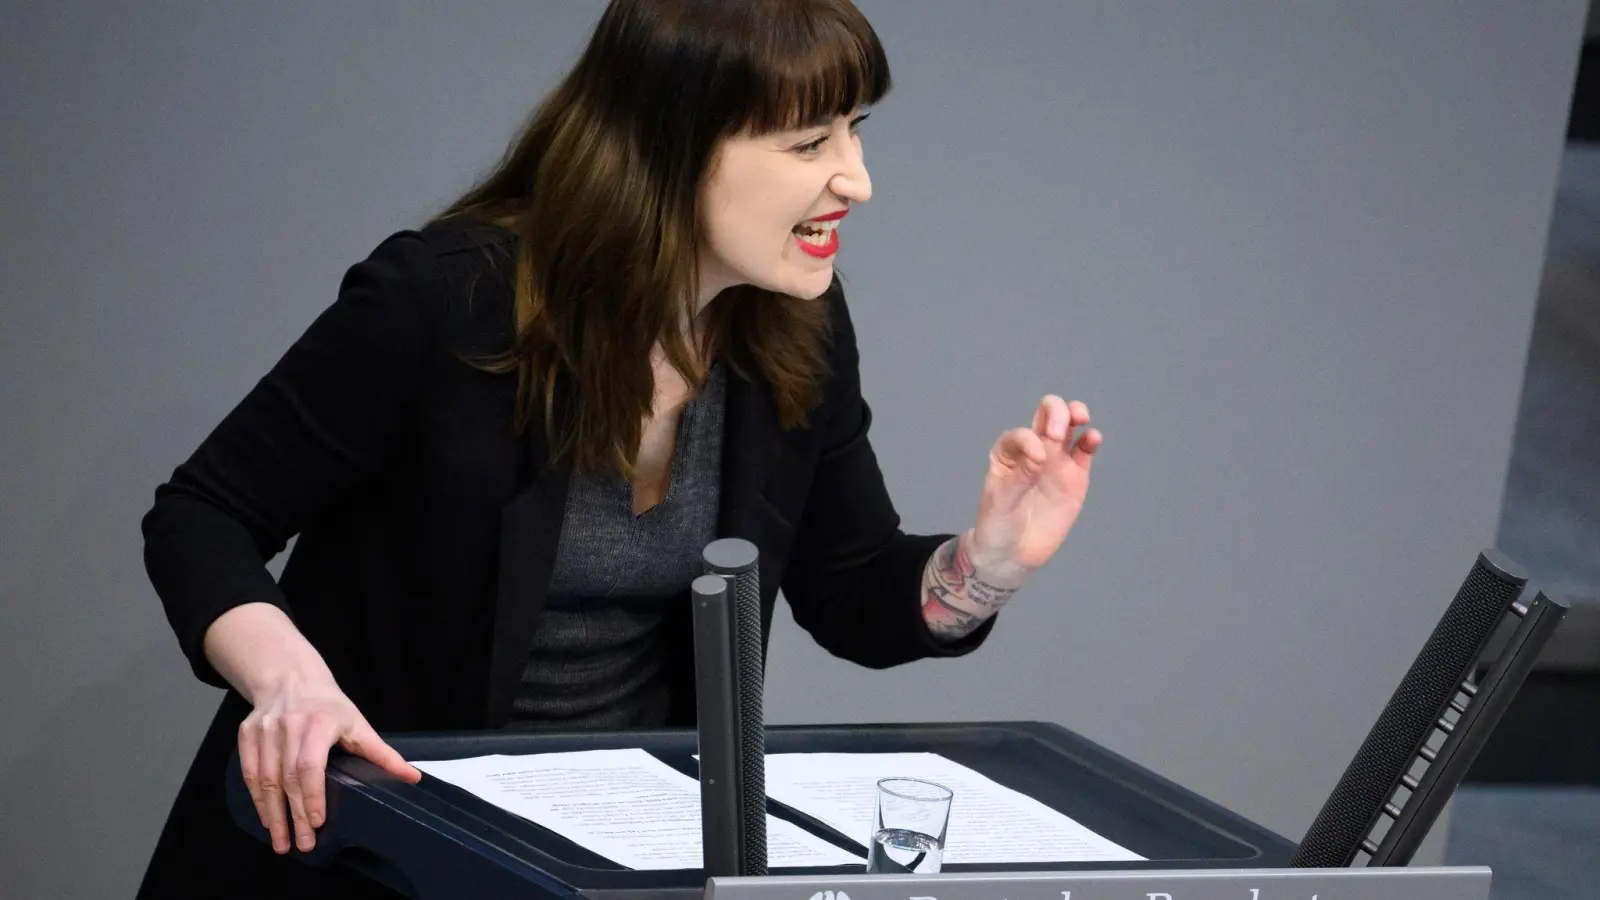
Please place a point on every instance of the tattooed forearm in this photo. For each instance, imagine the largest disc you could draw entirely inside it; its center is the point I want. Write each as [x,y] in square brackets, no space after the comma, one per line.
[956,597]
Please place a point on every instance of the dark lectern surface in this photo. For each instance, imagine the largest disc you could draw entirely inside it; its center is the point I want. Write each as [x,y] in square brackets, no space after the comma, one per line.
[433,839]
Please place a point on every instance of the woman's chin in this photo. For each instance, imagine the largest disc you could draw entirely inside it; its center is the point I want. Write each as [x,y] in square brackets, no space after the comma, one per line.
[811,284]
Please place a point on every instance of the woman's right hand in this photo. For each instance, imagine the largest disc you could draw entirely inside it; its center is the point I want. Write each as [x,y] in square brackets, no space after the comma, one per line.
[283,753]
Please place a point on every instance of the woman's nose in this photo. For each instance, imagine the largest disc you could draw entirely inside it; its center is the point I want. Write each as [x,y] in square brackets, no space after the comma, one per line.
[852,181]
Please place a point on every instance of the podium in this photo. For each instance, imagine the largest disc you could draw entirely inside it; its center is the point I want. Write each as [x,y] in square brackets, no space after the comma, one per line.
[433,840]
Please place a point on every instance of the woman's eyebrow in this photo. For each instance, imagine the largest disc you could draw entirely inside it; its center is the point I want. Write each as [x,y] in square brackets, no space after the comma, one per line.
[826,119]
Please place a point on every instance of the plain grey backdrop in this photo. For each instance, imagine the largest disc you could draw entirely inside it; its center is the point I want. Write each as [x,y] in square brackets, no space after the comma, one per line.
[1286,252]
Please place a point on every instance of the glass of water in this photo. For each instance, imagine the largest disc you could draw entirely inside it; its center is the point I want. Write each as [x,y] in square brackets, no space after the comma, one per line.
[908,827]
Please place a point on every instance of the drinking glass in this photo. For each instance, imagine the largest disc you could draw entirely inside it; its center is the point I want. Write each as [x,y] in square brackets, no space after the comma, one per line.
[909,822]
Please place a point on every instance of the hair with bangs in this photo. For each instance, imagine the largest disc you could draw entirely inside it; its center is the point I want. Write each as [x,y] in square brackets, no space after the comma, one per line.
[601,191]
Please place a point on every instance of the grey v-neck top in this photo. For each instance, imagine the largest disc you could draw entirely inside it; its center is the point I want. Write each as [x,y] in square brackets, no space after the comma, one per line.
[599,656]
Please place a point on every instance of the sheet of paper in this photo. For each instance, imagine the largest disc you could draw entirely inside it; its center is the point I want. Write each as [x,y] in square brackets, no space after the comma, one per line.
[989,822]
[625,805]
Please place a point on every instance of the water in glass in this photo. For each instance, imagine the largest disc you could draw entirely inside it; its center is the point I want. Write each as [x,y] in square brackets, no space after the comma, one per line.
[903,850]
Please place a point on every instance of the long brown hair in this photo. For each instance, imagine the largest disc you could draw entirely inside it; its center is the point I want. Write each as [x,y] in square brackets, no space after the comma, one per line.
[601,191]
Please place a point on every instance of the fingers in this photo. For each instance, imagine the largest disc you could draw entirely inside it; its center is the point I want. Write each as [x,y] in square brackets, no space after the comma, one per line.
[1079,414]
[311,770]
[293,735]
[1083,450]
[1056,421]
[270,777]
[365,743]
[250,769]
[1021,448]
[283,757]
[1056,418]
[1014,466]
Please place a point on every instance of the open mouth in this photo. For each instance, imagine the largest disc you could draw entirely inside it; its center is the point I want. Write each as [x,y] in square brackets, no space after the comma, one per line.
[817,234]
[818,238]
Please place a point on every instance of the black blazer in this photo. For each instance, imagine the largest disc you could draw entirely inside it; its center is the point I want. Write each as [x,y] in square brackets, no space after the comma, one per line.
[427,529]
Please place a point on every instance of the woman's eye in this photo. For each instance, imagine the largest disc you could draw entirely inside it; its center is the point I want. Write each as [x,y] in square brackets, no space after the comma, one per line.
[814,146]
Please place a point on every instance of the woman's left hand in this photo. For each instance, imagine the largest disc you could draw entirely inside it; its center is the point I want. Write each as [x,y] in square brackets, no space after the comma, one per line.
[1037,482]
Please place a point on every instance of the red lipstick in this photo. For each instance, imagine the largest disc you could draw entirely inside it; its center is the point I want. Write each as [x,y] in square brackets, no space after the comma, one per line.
[823,251]
[831,246]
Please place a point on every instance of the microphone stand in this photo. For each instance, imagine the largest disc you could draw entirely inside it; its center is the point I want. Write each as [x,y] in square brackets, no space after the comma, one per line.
[729,721]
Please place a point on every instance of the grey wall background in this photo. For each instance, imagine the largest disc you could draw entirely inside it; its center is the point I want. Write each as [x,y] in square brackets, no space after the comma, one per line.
[1287,253]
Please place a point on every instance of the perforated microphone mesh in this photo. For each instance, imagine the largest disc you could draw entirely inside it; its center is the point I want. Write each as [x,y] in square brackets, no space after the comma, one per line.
[1407,721]
[753,740]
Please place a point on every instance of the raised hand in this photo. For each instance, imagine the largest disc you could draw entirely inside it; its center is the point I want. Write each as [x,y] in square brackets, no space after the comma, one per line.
[1035,488]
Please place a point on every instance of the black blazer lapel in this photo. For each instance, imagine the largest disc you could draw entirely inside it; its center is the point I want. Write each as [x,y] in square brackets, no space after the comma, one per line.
[751,449]
[530,530]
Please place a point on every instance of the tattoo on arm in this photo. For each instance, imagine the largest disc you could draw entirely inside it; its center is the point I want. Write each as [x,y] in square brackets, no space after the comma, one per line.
[944,619]
[956,598]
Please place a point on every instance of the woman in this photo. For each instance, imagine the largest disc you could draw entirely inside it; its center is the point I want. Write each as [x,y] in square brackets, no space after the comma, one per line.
[505,443]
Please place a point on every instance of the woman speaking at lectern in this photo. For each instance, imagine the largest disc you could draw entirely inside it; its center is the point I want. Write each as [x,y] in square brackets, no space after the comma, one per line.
[504,444]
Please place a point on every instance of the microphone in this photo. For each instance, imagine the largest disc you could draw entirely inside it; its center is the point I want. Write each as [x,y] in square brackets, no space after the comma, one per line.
[1414,712]
[730,726]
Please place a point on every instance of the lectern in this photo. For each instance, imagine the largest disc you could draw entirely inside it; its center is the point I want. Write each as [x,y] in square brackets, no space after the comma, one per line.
[432,840]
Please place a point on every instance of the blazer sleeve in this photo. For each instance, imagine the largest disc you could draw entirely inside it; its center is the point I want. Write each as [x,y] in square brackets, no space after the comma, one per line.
[321,420]
[854,578]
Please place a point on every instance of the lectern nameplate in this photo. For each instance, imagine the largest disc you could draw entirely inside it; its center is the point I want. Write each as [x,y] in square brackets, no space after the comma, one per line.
[1419,883]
